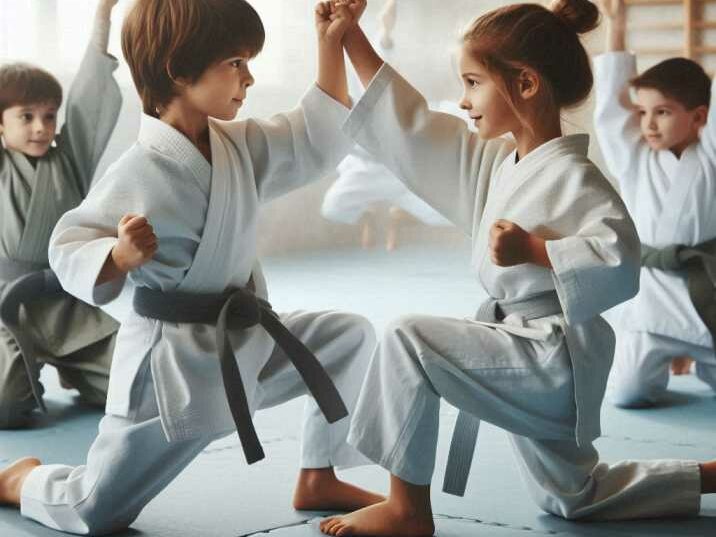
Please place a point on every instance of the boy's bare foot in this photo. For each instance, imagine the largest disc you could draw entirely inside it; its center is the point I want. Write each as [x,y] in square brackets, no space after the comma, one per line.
[367,230]
[388,518]
[681,365]
[708,477]
[12,479]
[320,490]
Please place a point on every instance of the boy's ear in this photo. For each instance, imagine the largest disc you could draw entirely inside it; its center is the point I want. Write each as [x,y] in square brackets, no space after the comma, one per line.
[700,115]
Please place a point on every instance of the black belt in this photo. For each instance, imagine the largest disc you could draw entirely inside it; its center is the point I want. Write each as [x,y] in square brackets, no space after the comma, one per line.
[27,283]
[240,309]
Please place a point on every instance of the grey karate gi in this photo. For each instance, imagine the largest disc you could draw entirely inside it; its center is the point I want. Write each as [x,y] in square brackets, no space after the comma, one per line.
[69,334]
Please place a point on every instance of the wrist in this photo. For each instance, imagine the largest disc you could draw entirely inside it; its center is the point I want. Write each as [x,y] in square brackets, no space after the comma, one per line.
[118,261]
[537,251]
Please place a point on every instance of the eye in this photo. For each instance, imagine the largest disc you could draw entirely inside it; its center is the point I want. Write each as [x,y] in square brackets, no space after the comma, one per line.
[237,63]
[642,112]
[663,112]
[26,116]
[472,83]
[50,117]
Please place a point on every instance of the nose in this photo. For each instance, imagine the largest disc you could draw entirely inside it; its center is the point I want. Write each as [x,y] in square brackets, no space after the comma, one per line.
[651,122]
[248,80]
[465,103]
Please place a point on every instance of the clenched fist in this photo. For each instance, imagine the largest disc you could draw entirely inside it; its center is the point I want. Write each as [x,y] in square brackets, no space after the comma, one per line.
[137,243]
[511,245]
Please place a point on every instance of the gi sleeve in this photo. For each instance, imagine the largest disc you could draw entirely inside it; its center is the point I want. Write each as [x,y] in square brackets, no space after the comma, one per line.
[708,134]
[433,153]
[616,121]
[93,105]
[596,267]
[292,149]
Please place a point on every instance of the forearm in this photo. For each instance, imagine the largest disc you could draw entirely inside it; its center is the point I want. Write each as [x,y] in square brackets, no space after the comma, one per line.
[537,248]
[102,25]
[111,270]
[332,72]
[616,34]
[363,56]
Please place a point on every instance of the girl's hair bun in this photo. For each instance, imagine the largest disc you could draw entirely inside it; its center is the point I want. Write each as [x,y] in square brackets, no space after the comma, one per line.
[582,16]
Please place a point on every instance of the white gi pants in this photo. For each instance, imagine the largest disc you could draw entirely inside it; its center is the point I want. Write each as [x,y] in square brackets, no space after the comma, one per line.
[362,184]
[524,386]
[130,461]
[642,362]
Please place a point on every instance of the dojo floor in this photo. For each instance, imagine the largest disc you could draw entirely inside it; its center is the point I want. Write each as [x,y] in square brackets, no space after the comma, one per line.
[219,496]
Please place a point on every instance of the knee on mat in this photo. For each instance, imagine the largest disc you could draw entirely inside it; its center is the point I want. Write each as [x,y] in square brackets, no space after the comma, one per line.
[632,392]
[16,414]
[101,518]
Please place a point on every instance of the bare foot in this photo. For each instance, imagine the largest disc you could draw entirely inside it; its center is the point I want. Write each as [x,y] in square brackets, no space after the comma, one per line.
[388,518]
[367,230]
[12,479]
[708,477]
[681,365]
[320,490]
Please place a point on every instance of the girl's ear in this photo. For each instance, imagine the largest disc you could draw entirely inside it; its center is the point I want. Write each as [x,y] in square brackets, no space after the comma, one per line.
[528,83]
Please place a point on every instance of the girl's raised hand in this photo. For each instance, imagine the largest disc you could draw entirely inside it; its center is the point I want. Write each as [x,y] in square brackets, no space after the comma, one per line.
[613,9]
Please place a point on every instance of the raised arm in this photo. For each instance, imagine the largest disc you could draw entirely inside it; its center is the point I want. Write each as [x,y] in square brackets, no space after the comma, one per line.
[616,120]
[93,102]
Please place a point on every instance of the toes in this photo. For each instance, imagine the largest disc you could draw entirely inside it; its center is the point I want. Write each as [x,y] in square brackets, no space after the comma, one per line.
[343,530]
[328,524]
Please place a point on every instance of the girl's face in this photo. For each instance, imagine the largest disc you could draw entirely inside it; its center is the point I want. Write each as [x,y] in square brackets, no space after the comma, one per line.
[482,99]
[221,89]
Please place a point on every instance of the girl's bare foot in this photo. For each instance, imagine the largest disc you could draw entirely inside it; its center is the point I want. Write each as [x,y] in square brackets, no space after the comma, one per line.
[681,365]
[320,490]
[12,479]
[382,519]
[406,513]
[367,230]
[708,477]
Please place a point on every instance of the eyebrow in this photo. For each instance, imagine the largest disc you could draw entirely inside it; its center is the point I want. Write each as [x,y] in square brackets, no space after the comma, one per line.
[476,75]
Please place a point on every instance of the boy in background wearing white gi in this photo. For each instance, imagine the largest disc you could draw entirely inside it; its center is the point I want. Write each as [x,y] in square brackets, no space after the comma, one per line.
[662,151]
[189,287]
[39,182]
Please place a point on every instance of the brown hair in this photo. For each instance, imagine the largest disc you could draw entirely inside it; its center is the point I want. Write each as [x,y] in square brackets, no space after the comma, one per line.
[22,84]
[680,79]
[163,40]
[529,35]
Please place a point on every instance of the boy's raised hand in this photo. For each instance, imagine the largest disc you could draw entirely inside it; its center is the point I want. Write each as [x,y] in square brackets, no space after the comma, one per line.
[335,17]
[137,243]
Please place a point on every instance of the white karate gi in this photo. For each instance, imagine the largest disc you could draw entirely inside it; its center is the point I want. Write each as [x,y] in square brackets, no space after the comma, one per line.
[205,218]
[519,375]
[672,201]
[363,182]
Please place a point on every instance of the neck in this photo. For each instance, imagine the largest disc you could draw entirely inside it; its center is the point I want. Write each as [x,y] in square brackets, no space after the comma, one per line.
[191,123]
[541,132]
[678,149]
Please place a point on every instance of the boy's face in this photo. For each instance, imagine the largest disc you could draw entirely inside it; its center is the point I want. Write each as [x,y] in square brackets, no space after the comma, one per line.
[666,123]
[221,89]
[491,113]
[29,128]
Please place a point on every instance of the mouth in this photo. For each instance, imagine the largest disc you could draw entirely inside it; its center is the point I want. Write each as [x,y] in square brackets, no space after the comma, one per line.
[238,102]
